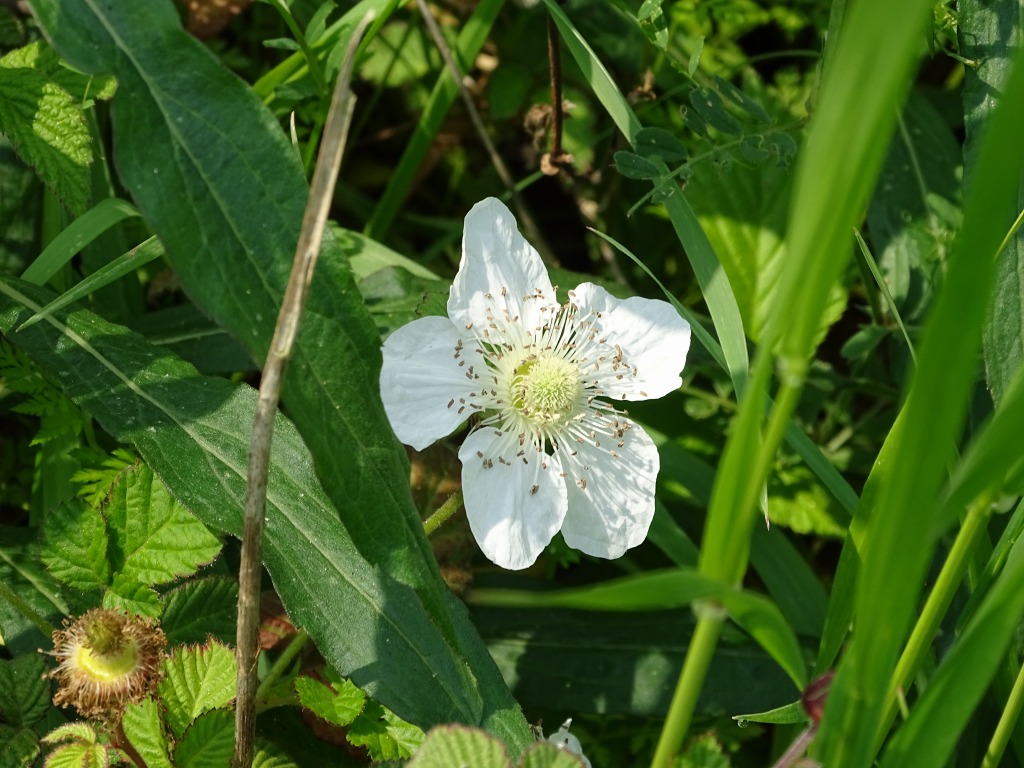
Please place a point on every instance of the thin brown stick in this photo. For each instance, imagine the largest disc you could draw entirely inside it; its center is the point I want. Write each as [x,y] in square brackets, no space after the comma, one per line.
[555,68]
[250,571]
[533,233]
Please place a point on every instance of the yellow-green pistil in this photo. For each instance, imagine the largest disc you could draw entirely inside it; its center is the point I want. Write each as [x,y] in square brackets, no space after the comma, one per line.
[547,389]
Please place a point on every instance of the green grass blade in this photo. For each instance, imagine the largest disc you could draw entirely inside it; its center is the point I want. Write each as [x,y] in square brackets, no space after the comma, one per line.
[76,236]
[894,559]
[123,265]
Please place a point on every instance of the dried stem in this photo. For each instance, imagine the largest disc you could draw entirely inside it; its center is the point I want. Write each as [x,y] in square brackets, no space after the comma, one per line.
[306,252]
[533,232]
[557,159]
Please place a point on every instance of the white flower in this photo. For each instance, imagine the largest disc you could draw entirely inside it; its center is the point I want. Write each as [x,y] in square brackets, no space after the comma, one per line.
[566,742]
[546,453]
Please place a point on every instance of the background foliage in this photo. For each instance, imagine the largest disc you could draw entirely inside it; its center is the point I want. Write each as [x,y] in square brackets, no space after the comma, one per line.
[830,194]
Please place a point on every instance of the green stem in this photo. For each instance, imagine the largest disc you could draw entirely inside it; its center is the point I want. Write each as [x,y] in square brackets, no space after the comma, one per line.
[441,515]
[952,574]
[280,666]
[684,700]
[26,610]
[1007,723]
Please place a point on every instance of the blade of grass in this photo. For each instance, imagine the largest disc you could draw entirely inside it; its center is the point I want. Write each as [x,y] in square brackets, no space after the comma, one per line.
[894,560]
[123,265]
[76,236]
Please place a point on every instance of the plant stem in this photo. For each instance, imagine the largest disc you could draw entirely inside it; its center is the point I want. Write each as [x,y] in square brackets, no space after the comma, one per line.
[555,65]
[684,700]
[1007,721]
[281,665]
[441,515]
[250,570]
[952,574]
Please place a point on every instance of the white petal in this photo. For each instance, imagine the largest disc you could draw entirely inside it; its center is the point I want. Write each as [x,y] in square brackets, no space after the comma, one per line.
[614,511]
[514,507]
[652,336]
[498,271]
[421,383]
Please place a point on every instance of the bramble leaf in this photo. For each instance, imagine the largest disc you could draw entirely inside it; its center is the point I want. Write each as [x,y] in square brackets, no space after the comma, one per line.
[449,745]
[24,694]
[209,742]
[340,703]
[153,538]
[47,129]
[142,726]
[384,734]
[196,680]
[200,608]
[75,546]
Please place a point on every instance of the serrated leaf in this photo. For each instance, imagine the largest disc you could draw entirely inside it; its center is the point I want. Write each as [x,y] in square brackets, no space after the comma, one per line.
[38,55]
[704,752]
[47,129]
[24,693]
[209,742]
[75,546]
[132,597]
[270,756]
[78,756]
[200,608]
[658,142]
[453,745]
[634,166]
[340,704]
[18,747]
[385,735]
[144,729]
[548,756]
[78,731]
[154,539]
[196,680]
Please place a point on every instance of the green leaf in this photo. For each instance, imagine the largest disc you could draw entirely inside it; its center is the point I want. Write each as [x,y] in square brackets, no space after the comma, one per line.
[657,142]
[196,680]
[595,662]
[929,735]
[18,747]
[47,129]
[78,756]
[790,713]
[910,240]
[704,752]
[548,756]
[743,212]
[153,538]
[41,57]
[75,546]
[709,105]
[76,236]
[983,37]
[200,608]
[384,734]
[144,729]
[78,731]
[269,756]
[183,421]
[22,570]
[666,589]
[228,206]
[635,167]
[209,742]
[451,745]
[24,693]
[132,596]
[339,704]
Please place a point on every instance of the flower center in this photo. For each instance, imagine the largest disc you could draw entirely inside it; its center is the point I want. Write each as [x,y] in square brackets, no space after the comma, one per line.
[107,667]
[547,389]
